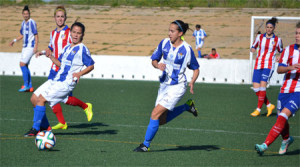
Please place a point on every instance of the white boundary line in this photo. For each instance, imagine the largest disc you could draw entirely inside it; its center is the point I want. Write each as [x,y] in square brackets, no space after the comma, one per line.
[165,127]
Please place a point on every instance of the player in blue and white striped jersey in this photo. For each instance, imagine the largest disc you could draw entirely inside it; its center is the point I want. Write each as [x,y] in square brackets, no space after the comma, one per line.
[176,55]
[30,45]
[73,58]
[199,35]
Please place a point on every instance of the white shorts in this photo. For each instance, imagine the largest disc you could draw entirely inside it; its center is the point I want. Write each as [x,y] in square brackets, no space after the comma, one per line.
[54,92]
[200,45]
[169,95]
[26,55]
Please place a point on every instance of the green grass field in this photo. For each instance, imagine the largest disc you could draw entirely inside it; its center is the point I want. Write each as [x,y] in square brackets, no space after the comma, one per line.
[224,133]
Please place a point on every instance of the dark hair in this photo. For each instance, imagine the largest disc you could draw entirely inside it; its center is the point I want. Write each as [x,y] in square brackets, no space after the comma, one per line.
[258,32]
[214,49]
[182,27]
[298,25]
[81,26]
[198,26]
[272,21]
[26,8]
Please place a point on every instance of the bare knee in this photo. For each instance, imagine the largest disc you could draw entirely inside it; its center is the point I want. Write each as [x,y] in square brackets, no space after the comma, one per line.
[41,100]
[33,99]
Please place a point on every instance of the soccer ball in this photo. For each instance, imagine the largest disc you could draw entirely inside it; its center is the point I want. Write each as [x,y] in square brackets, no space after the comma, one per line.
[45,140]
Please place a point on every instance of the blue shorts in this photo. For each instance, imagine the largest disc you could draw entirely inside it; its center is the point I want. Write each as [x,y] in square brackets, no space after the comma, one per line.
[290,101]
[261,75]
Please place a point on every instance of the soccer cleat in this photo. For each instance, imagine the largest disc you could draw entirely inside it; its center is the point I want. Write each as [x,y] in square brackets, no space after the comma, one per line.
[60,126]
[47,129]
[32,132]
[24,89]
[270,109]
[255,113]
[192,109]
[285,144]
[31,89]
[141,148]
[89,112]
[260,148]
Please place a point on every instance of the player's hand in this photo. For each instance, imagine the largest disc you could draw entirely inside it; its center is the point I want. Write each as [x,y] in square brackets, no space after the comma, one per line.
[253,50]
[161,66]
[76,77]
[11,43]
[191,85]
[35,50]
[296,66]
[277,59]
[43,52]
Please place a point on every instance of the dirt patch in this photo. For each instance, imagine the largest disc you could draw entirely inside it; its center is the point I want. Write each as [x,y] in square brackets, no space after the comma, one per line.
[137,31]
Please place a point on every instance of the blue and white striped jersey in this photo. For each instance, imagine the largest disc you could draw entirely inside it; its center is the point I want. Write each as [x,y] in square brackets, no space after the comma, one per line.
[176,60]
[28,30]
[72,60]
[199,35]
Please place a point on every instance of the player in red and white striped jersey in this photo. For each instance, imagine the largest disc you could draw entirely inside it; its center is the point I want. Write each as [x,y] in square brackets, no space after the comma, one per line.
[289,96]
[268,44]
[59,38]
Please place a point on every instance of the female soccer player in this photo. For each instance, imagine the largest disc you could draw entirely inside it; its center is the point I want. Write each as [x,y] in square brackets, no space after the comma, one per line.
[59,38]
[199,35]
[177,55]
[74,56]
[289,96]
[29,34]
[268,43]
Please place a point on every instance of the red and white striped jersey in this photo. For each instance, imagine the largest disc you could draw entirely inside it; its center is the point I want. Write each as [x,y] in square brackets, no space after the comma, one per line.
[58,40]
[267,50]
[291,81]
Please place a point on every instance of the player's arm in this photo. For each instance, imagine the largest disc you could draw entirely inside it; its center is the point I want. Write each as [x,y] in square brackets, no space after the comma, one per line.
[35,49]
[16,40]
[83,72]
[157,65]
[194,78]
[54,60]
[285,69]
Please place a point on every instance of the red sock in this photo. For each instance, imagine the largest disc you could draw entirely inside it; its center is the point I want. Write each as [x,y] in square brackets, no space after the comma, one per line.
[276,130]
[285,134]
[73,101]
[266,101]
[58,112]
[261,98]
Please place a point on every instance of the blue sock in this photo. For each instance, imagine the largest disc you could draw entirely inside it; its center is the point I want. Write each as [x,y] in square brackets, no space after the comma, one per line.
[45,123]
[199,53]
[29,78]
[25,75]
[177,111]
[151,131]
[39,113]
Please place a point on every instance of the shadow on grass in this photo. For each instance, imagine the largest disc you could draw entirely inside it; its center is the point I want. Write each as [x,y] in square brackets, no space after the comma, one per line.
[87,125]
[295,152]
[191,148]
[272,115]
[109,132]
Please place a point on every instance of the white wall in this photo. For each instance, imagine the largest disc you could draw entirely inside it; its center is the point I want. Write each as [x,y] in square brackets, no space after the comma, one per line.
[232,71]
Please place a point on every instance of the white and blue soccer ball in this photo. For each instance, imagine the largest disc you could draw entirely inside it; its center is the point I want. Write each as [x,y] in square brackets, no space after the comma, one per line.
[45,140]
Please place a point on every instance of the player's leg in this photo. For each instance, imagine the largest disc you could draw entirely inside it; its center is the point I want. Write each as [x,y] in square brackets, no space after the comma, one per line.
[266,74]
[57,110]
[39,115]
[87,107]
[256,85]
[25,59]
[288,104]
[152,128]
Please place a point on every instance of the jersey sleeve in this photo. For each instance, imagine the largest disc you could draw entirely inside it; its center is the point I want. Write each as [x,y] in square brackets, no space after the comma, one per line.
[283,61]
[50,43]
[34,28]
[195,33]
[280,45]
[86,57]
[194,65]
[157,54]
[256,42]
[204,34]
[21,32]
